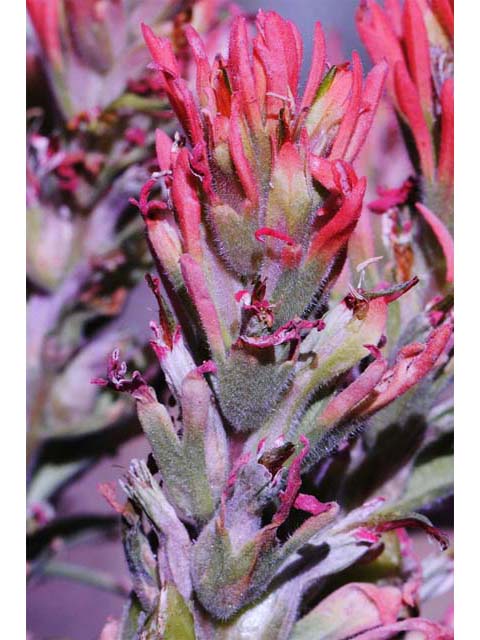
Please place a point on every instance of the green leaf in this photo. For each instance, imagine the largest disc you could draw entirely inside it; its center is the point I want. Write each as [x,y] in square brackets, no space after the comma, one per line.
[181,463]
[142,564]
[132,619]
[429,482]
[143,490]
[351,610]
[271,618]
[179,623]
[248,388]
[324,355]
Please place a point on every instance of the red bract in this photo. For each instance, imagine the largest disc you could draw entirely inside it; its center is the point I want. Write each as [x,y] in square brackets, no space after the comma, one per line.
[390,198]
[414,362]
[44,16]
[262,178]
[255,91]
[92,48]
[417,42]
[256,143]
[249,217]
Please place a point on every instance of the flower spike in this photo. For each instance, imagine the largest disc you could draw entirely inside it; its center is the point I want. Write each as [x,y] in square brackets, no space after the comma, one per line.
[306,416]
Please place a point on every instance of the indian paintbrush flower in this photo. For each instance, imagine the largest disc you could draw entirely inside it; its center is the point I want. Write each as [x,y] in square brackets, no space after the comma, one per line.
[92,49]
[416,40]
[248,219]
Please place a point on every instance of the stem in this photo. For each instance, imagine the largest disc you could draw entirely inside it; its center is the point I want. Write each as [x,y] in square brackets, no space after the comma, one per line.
[91,577]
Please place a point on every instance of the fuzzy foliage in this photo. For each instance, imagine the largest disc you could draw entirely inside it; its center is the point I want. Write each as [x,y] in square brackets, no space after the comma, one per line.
[310,436]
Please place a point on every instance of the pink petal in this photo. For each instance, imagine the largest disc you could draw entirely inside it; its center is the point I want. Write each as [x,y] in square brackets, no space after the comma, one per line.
[391,197]
[163,148]
[326,242]
[418,52]
[176,89]
[322,171]
[161,51]
[372,93]
[242,165]
[443,236]
[204,89]
[187,205]
[429,630]
[240,71]
[294,482]
[444,13]
[198,291]
[377,33]
[349,119]
[409,102]
[304,502]
[414,362]
[394,11]
[45,18]
[339,408]
[445,161]
[316,68]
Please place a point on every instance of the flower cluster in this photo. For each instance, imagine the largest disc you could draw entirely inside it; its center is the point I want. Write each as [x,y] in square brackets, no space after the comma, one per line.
[416,40]
[92,49]
[299,452]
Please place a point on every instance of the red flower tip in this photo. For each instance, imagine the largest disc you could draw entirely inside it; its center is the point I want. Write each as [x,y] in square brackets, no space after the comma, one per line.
[242,296]
[443,10]
[392,197]
[154,285]
[163,148]
[145,207]
[418,52]
[316,68]
[107,490]
[161,51]
[273,233]
[207,367]
[446,156]
[45,18]
[308,503]
[291,331]
[413,364]
[294,482]
[374,350]
[399,290]
[135,135]
[363,534]
[432,531]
